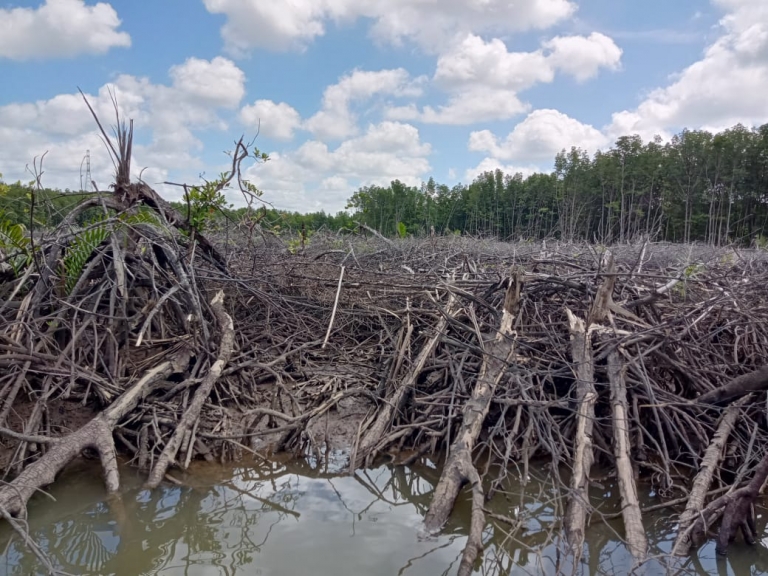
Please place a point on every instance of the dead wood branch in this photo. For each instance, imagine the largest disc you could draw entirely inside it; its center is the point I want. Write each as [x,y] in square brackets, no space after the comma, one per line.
[744,384]
[184,428]
[701,483]
[738,510]
[97,434]
[392,404]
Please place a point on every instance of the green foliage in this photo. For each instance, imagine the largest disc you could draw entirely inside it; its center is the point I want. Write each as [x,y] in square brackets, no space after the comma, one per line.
[206,201]
[402,231]
[203,202]
[692,270]
[696,187]
[86,242]
[79,251]
[14,245]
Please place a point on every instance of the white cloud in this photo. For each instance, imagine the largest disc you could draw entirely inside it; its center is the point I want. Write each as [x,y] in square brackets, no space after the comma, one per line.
[273,120]
[483,78]
[474,104]
[725,87]
[290,24]
[218,82]
[59,29]
[538,138]
[335,119]
[315,176]
[492,164]
[583,56]
[474,61]
[167,116]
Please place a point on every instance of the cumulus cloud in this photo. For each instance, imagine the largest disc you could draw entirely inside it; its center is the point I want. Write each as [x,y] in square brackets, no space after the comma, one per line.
[492,164]
[538,138]
[290,24]
[483,79]
[60,29]
[583,56]
[726,86]
[271,119]
[467,106]
[167,117]
[476,61]
[316,176]
[218,82]
[336,119]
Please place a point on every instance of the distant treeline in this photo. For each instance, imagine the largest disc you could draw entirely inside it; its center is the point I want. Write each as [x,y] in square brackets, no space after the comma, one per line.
[697,187]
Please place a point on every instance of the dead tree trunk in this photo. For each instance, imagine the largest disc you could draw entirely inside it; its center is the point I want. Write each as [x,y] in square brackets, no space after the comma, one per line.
[709,463]
[586,396]
[459,468]
[630,505]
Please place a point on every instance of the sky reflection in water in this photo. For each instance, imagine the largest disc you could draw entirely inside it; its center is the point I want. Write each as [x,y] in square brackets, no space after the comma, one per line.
[275,519]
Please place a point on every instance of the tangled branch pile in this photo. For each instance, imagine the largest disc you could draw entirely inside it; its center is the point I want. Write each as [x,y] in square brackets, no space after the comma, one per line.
[174,347]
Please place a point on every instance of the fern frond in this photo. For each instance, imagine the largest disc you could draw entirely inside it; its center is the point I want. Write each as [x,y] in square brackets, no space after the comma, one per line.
[14,244]
[79,251]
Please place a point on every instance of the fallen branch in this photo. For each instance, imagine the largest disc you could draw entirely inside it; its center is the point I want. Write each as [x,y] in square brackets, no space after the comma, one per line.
[393,404]
[458,466]
[707,468]
[738,509]
[744,384]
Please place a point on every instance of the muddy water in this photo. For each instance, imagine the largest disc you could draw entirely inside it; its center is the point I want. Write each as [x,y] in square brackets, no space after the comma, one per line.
[276,519]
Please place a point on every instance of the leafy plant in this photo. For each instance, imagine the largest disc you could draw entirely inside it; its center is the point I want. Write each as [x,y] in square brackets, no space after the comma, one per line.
[300,242]
[203,202]
[14,245]
[78,253]
[80,250]
[692,270]
[402,231]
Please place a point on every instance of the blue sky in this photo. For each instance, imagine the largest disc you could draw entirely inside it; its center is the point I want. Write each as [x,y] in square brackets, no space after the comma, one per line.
[357,92]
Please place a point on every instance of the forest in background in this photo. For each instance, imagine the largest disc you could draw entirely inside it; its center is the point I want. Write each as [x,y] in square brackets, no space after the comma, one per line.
[699,186]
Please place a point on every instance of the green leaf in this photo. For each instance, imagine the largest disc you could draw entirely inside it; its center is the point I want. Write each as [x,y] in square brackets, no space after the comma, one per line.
[78,253]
